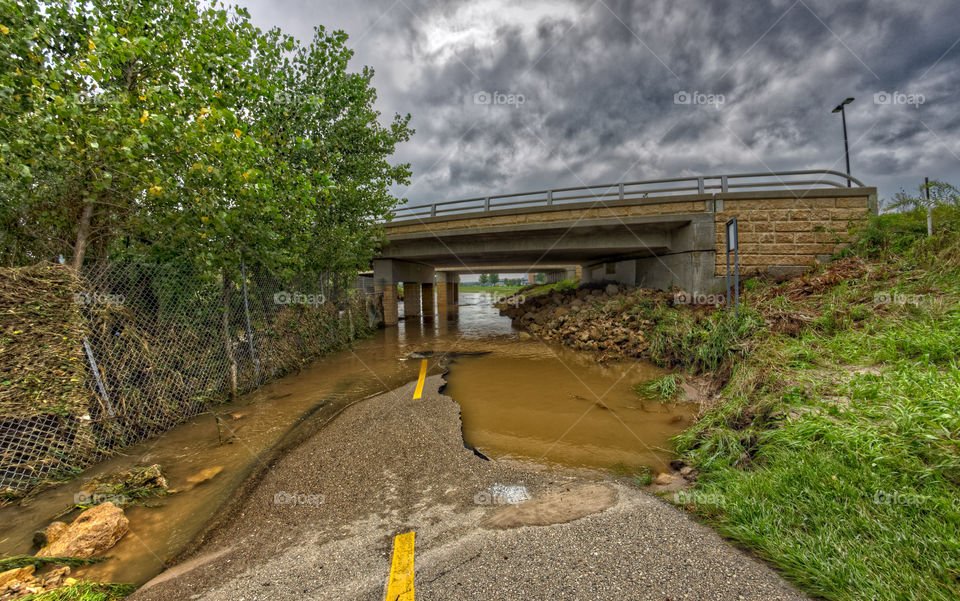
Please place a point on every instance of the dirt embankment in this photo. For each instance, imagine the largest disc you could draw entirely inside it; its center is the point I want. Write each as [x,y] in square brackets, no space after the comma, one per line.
[617,321]
[591,318]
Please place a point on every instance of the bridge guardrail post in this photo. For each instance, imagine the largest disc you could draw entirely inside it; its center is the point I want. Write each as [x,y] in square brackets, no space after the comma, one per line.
[486,203]
[433,210]
[700,186]
[620,191]
[723,184]
[549,197]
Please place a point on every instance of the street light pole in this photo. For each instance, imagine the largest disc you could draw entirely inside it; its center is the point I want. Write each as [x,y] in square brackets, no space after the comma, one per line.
[846,147]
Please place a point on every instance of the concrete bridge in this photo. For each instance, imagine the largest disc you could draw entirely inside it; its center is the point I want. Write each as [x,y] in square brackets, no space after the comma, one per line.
[657,233]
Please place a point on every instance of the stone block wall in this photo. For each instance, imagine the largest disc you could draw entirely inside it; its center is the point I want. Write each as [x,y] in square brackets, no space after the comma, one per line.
[783,233]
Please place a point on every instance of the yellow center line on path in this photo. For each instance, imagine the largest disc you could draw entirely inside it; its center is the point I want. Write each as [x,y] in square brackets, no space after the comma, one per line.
[423,375]
[400,585]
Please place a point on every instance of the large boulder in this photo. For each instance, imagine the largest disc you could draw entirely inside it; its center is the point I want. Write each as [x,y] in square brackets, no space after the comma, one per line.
[93,532]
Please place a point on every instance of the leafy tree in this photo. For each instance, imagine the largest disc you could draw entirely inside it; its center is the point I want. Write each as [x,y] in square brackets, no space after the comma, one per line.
[180,130]
[484,279]
[320,118]
[494,278]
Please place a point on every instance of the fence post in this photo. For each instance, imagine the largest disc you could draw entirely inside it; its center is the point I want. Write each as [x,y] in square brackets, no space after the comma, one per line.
[246,312]
[96,376]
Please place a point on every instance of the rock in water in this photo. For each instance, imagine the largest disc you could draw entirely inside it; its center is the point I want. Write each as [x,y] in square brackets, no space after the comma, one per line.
[18,574]
[664,479]
[49,534]
[93,532]
[205,474]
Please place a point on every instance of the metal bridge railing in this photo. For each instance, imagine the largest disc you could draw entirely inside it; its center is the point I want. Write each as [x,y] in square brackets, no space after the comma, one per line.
[636,191]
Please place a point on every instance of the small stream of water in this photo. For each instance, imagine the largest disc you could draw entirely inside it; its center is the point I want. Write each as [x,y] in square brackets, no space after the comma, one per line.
[523,401]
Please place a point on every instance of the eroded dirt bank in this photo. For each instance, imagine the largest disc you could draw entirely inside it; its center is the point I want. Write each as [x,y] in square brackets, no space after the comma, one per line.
[320,524]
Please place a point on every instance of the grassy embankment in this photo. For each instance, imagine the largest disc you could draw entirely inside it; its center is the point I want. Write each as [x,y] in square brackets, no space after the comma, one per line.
[833,450]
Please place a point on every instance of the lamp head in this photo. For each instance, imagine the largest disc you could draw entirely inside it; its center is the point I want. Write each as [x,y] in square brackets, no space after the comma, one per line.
[840,106]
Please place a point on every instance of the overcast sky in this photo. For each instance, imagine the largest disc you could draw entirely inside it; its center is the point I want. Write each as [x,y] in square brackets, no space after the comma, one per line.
[513,95]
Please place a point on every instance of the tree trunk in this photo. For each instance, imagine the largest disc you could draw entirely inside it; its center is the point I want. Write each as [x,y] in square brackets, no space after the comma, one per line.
[83,236]
[228,339]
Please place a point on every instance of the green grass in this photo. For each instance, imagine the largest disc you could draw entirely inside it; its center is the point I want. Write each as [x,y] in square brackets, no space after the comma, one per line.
[835,453]
[699,342]
[85,591]
[666,388]
[22,561]
[562,286]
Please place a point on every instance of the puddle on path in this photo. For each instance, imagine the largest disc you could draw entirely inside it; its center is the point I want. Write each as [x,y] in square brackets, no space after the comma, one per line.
[522,400]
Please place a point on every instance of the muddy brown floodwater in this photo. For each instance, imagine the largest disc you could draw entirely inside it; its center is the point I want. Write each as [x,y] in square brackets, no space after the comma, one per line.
[522,400]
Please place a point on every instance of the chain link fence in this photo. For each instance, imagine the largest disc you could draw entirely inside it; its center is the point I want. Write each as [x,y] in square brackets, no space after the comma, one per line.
[154,345]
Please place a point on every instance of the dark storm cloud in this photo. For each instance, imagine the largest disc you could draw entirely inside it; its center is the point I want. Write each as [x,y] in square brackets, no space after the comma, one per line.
[594,85]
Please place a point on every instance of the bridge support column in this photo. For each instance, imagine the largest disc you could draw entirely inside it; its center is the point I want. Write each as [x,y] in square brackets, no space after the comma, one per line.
[411,299]
[390,306]
[426,298]
[448,288]
[587,273]
[443,298]
[387,273]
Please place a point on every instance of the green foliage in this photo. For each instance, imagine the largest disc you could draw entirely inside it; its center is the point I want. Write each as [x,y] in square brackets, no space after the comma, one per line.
[700,342]
[85,591]
[901,233]
[891,232]
[180,129]
[839,462]
[22,561]
[665,388]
